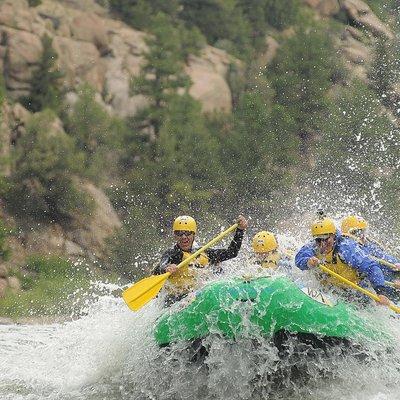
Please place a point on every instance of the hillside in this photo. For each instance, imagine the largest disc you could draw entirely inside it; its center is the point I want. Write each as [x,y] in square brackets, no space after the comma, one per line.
[118,115]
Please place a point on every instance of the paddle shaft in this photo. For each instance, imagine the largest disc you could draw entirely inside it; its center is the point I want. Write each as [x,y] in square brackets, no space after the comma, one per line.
[206,246]
[379,260]
[384,262]
[359,288]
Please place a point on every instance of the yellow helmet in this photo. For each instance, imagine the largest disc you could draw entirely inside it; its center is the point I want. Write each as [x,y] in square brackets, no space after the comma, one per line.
[184,223]
[323,227]
[264,242]
[352,223]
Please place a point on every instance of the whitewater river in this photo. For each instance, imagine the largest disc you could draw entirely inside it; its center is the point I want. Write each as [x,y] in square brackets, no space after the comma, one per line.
[109,353]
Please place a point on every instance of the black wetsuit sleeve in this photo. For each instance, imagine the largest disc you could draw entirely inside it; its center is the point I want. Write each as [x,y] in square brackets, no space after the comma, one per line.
[215,256]
[171,256]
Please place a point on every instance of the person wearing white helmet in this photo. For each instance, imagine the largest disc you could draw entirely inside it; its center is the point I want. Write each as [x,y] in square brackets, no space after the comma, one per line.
[183,280]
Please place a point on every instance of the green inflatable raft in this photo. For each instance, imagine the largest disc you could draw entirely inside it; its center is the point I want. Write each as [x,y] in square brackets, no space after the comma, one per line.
[263,307]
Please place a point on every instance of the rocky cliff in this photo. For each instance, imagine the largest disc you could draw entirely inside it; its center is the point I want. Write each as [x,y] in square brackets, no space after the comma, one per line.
[95,48]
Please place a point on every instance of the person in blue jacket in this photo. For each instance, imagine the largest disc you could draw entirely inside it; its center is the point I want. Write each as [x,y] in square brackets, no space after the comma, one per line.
[342,255]
[356,228]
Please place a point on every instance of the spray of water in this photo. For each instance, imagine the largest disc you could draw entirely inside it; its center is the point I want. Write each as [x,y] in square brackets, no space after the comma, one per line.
[109,352]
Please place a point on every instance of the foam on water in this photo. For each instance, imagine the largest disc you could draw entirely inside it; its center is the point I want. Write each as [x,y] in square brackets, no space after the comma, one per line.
[109,353]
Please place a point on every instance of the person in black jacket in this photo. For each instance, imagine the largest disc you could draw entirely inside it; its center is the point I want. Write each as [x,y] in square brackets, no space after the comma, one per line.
[183,280]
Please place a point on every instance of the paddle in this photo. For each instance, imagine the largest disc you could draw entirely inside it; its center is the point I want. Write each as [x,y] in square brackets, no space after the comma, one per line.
[391,284]
[359,288]
[388,264]
[146,289]
[392,266]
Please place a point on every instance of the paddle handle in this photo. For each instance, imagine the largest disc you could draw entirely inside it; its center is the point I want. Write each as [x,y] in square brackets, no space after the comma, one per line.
[206,246]
[391,284]
[359,288]
[384,262]
[392,266]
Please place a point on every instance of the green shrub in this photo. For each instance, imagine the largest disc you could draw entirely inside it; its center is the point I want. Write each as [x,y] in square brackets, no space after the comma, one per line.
[51,286]
[50,267]
[219,20]
[281,13]
[34,3]
[139,13]
[98,135]
[4,250]
[301,74]
[45,162]
[48,285]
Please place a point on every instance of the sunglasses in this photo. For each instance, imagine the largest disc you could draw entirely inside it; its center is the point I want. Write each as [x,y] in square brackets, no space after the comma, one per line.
[357,232]
[321,240]
[183,233]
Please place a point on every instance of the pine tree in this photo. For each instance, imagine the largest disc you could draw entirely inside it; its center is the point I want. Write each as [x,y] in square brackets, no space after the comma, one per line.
[385,70]
[223,23]
[163,75]
[264,141]
[45,88]
[301,74]
[360,148]
[281,13]
[184,176]
[139,13]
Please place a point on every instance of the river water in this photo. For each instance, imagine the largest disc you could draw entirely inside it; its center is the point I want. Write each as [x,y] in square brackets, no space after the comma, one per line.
[109,353]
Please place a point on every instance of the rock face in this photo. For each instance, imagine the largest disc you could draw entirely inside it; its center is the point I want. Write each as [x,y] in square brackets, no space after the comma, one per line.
[104,52]
[362,15]
[355,52]
[82,238]
[12,126]
[356,10]
[351,44]
[208,75]
[96,49]
[103,222]
[324,7]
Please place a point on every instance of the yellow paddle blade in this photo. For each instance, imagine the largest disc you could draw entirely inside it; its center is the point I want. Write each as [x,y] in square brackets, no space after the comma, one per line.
[143,291]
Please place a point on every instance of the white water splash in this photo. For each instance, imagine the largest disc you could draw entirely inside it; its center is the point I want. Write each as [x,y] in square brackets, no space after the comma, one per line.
[109,353]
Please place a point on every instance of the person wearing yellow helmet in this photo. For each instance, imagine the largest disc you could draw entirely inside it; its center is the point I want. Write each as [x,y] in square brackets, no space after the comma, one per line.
[183,280]
[356,227]
[342,255]
[266,250]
